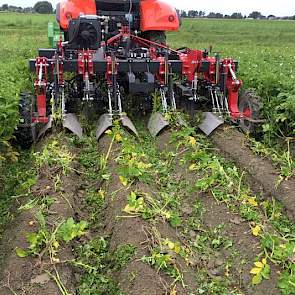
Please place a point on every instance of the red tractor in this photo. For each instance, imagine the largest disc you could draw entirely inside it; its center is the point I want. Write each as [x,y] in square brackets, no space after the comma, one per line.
[109,49]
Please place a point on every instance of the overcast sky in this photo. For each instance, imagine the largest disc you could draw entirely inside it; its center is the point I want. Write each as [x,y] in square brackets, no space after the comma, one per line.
[276,7]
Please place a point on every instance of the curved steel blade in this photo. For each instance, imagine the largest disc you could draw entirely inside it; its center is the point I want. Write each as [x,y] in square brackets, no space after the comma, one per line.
[210,123]
[46,127]
[156,123]
[70,121]
[126,122]
[104,123]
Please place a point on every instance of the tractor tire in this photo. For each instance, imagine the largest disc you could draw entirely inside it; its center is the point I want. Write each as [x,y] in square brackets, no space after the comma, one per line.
[249,100]
[156,36]
[26,131]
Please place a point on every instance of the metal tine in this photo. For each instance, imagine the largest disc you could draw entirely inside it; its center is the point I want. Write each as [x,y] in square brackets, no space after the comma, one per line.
[125,120]
[157,121]
[70,120]
[106,120]
[164,100]
[217,103]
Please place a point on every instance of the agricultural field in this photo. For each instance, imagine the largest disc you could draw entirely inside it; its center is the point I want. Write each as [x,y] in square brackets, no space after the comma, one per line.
[179,214]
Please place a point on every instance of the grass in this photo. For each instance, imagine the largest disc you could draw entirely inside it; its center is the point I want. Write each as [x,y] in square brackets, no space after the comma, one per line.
[20,36]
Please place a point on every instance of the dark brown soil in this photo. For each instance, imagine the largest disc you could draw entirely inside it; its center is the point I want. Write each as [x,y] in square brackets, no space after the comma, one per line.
[29,275]
[137,277]
[261,174]
[238,231]
[235,229]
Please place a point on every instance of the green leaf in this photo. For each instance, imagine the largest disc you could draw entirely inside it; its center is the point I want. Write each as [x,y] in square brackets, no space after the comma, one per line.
[70,230]
[32,238]
[21,252]
[265,272]
[175,220]
[257,279]
[41,219]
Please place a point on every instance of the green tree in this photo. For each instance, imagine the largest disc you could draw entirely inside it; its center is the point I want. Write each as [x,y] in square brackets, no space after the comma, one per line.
[43,7]
[255,15]
[237,15]
[4,7]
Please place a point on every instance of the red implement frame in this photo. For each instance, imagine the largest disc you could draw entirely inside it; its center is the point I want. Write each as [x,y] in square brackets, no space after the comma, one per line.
[40,87]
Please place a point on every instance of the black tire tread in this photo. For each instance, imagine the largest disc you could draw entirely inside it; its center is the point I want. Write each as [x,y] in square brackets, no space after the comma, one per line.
[25,133]
[256,106]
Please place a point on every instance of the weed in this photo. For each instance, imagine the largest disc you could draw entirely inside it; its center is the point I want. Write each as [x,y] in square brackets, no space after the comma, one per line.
[97,263]
[164,262]
[280,158]
[122,256]
[55,154]
[48,242]
[261,271]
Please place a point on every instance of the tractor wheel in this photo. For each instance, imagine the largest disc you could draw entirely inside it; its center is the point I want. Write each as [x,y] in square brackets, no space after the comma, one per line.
[250,104]
[156,36]
[26,132]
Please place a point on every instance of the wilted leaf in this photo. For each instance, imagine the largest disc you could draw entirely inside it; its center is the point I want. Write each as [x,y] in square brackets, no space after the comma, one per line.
[256,230]
[255,270]
[123,180]
[252,202]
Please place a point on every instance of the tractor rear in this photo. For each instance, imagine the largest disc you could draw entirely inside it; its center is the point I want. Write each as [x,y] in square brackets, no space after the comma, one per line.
[109,50]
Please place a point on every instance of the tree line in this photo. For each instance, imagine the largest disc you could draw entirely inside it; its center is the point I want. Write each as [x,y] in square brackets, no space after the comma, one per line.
[235,15]
[43,7]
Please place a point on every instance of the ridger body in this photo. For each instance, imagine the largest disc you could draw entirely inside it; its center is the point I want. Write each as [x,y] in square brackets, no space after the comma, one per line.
[108,49]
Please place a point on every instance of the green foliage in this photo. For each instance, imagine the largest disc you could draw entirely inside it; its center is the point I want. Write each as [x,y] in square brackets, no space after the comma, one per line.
[281,158]
[287,281]
[165,262]
[20,36]
[268,223]
[43,7]
[15,182]
[70,230]
[257,45]
[49,241]
[55,154]
[213,286]
[122,256]
[97,264]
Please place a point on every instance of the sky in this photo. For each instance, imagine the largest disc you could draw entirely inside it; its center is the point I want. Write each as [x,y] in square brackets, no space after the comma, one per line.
[266,7]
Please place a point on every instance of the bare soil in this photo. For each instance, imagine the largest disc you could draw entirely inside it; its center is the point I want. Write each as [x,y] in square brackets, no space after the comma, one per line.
[261,174]
[30,275]
[124,230]
[244,244]
[238,231]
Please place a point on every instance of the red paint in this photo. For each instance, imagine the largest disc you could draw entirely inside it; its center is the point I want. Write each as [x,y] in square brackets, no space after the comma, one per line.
[85,63]
[41,105]
[158,16]
[247,113]
[40,88]
[71,9]
[190,61]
